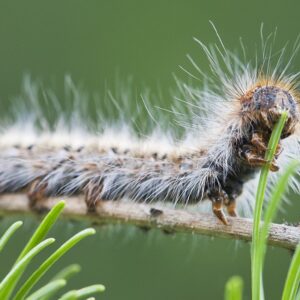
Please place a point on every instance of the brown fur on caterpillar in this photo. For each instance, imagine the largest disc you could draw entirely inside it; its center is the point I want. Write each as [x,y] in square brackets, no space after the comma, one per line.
[215,161]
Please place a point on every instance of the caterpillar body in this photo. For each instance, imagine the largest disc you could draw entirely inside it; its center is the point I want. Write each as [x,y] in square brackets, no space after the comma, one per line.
[217,160]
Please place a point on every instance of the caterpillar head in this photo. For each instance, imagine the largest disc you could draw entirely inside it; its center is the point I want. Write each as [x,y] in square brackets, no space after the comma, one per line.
[264,104]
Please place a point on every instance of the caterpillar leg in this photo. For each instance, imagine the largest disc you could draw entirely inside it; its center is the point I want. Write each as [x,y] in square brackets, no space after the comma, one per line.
[92,192]
[233,189]
[289,127]
[36,195]
[254,159]
[272,116]
[254,152]
[261,144]
[231,208]
[219,213]
[218,199]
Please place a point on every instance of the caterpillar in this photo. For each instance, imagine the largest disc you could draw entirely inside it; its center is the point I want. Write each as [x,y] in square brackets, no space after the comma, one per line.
[217,158]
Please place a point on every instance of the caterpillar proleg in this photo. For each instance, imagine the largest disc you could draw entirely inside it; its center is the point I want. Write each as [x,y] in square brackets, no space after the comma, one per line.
[216,159]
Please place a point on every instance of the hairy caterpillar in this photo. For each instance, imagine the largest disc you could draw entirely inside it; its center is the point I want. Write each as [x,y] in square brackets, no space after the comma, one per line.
[216,160]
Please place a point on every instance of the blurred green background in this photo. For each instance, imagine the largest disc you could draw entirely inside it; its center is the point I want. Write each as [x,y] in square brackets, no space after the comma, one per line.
[95,40]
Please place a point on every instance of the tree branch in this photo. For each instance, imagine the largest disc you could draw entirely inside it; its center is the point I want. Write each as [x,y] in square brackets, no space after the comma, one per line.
[173,220]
